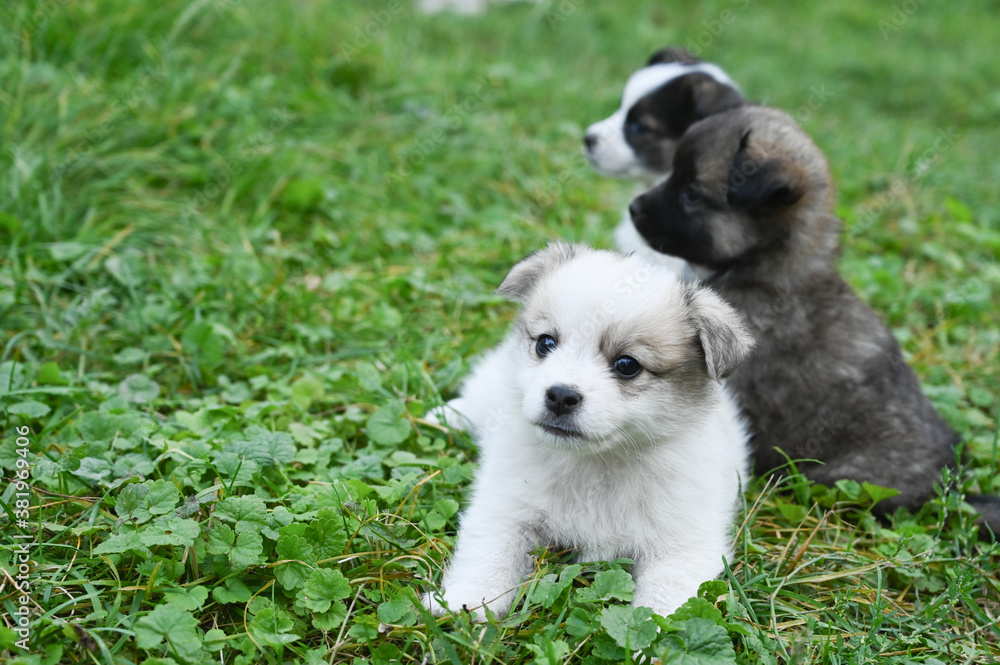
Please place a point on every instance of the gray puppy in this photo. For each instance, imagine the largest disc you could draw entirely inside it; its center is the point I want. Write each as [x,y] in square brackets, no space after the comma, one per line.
[749,205]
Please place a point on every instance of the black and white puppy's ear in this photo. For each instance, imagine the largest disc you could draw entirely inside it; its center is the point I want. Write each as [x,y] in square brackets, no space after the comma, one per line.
[723,334]
[526,273]
[672,54]
[709,97]
[690,98]
[757,180]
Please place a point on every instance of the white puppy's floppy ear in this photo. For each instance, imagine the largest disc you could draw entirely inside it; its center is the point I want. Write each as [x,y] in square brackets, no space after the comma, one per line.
[721,330]
[526,273]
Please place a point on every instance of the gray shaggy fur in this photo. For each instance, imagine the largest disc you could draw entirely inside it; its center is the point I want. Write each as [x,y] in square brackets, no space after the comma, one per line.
[750,202]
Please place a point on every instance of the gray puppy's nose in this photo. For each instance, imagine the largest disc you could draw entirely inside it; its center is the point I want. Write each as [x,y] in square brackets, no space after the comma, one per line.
[562,399]
[637,207]
[590,142]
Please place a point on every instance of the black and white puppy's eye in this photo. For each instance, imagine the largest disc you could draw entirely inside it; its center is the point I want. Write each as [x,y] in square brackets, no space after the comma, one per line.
[544,345]
[690,197]
[636,129]
[627,367]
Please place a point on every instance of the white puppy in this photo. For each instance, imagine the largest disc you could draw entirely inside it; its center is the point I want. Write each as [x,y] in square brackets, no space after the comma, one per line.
[603,426]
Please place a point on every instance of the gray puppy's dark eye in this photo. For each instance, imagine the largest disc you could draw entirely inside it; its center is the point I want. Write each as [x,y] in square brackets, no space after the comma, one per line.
[627,366]
[544,345]
[690,197]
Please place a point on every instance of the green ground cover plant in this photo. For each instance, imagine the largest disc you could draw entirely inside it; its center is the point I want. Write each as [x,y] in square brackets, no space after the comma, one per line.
[244,246]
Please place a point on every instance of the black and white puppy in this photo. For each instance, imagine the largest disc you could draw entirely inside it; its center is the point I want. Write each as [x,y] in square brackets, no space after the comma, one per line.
[602,425]
[750,200]
[673,91]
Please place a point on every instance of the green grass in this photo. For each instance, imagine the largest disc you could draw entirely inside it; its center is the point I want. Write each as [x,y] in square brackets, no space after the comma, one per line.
[244,251]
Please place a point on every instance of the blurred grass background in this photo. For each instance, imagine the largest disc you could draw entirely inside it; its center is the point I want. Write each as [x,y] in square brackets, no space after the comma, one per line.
[226,192]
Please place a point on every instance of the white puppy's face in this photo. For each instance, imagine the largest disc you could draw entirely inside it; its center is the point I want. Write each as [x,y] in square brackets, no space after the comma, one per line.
[659,102]
[610,352]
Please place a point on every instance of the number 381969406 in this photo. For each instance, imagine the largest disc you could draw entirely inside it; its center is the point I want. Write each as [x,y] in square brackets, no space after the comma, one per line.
[23,471]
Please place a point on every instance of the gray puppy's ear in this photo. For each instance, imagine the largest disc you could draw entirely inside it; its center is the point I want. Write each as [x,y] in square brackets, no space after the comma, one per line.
[526,273]
[723,334]
[757,180]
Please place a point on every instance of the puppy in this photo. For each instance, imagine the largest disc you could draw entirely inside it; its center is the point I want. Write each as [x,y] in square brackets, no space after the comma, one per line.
[602,426]
[661,100]
[750,203]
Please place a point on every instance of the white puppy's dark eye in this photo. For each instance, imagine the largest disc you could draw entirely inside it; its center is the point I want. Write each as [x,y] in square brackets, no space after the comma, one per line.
[634,128]
[690,197]
[545,345]
[627,366]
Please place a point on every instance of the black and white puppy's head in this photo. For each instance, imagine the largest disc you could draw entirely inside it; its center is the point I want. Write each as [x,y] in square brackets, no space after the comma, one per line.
[661,100]
[747,185]
[611,352]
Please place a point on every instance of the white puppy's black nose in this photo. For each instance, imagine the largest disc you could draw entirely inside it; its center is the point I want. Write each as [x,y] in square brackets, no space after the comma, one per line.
[562,399]
[590,142]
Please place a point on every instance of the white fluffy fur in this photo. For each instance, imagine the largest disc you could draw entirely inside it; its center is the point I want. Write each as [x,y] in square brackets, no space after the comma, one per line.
[655,469]
[613,156]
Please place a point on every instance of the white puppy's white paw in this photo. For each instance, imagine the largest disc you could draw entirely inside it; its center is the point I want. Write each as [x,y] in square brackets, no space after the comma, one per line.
[437,608]
[433,605]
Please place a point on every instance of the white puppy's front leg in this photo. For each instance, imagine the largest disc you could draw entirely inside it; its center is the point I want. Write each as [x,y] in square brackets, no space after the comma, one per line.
[664,584]
[492,557]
